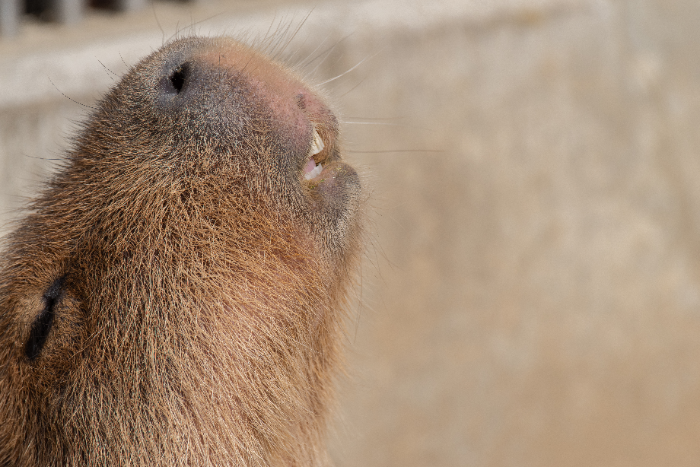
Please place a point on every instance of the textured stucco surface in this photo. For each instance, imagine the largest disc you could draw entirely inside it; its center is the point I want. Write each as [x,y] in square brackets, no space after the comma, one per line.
[538,300]
[531,293]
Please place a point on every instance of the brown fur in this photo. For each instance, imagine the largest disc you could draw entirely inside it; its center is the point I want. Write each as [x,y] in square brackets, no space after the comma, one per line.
[194,278]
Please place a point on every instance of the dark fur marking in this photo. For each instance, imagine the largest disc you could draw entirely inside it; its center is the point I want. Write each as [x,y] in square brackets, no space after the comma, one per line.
[43,323]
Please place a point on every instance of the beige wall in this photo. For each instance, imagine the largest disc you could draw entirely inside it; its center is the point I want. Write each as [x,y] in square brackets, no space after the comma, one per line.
[537,300]
[531,291]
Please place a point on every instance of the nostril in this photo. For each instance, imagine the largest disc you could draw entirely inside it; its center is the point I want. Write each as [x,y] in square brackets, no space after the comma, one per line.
[178,77]
[301,101]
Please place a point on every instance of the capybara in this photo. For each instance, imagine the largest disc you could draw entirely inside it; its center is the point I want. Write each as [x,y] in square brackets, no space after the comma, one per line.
[174,295]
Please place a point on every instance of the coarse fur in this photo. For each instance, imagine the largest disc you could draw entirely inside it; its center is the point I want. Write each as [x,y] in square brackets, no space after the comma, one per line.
[173,297]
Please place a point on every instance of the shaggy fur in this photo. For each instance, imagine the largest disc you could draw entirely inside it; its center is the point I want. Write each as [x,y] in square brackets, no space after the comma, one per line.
[173,296]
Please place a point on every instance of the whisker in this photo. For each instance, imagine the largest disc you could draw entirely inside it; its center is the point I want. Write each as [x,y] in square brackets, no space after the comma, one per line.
[345,122]
[155,16]
[123,61]
[265,42]
[307,61]
[280,37]
[294,34]
[325,54]
[348,71]
[353,88]
[389,151]
[106,69]
[374,118]
[70,98]
[42,158]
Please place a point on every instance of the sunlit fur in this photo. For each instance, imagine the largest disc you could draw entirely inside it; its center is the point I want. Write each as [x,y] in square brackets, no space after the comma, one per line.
[200,321]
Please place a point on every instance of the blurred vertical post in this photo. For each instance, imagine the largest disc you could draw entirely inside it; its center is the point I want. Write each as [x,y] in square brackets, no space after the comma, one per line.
[9,17]
[67,11]
[129,5]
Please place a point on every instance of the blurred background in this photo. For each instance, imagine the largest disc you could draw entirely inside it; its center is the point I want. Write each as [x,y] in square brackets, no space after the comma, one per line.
[530,295]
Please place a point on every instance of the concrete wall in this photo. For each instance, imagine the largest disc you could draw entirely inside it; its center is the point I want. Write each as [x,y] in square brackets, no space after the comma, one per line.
[531,294]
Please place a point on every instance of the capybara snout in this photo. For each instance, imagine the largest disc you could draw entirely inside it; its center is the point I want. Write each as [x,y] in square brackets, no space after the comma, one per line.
[174,294]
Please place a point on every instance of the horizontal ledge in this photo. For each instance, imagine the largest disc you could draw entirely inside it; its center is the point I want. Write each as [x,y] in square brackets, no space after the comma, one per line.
[82,71]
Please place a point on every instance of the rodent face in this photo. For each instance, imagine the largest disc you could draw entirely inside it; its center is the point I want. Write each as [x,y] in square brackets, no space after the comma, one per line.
[182,273]
[214,106]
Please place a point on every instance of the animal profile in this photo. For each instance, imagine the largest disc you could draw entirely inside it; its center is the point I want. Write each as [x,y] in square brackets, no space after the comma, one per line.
[174,294]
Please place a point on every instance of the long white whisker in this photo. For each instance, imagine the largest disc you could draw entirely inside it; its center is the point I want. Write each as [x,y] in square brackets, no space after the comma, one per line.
[372,123]
[345,73]
[324,55]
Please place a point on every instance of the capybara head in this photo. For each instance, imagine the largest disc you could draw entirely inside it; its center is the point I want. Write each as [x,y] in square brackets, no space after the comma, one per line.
[173,295]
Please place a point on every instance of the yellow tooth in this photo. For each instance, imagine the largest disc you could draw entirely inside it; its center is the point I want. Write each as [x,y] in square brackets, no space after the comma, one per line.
[316,144]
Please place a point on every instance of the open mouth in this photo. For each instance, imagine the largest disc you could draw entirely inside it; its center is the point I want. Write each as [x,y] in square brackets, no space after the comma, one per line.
[315,158]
